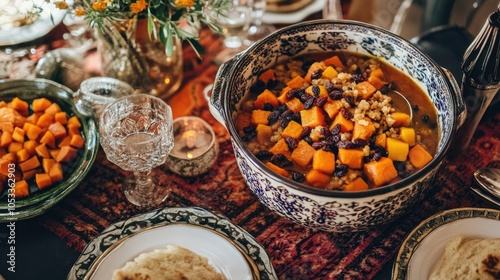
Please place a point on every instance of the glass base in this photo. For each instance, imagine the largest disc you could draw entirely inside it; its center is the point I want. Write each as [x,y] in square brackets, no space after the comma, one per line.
[142,196]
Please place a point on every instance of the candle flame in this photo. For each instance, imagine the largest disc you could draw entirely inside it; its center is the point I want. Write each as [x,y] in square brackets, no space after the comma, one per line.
[189,155]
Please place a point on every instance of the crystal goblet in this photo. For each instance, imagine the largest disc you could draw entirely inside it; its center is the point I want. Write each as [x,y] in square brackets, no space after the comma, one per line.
[136,133]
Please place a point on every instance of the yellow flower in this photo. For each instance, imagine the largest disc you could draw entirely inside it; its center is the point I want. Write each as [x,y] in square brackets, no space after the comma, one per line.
[79,11]
[61,5]
[100,5]
[138,6]
[184,3]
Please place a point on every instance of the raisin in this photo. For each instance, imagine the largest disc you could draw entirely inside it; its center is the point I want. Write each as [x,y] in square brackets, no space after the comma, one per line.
[304,97]
[426,118]
[309,103]
[335,94]
[291,93]
[341,170]
[329,87]
[308,140]
[316,74]
[346,113]
[272,84]
[258,87]
[346,144]
[305,132]
[358,78]
[386,88]
[249,129]
[280,160]
[350,100]
[285,118]
[268,107]
[264,155]
[336,129]
[315,90]
[282,108]
[375,155]
[317,145]
[415,107]
[325,131]
[292,143]
[297,176]
[321,101]
[360,143]
[273,117]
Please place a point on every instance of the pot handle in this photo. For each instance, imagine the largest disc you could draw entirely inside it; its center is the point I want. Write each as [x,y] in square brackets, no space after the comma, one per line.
[461,110]
[214,93]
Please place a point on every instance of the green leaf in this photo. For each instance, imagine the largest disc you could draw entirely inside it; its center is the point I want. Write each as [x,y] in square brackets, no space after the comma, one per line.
[169,45]
[198,49]
[151,28]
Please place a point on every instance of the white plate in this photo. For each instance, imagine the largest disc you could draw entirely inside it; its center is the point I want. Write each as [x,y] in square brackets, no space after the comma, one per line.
[295,16]
[49,18]
[228,248]
[423,248]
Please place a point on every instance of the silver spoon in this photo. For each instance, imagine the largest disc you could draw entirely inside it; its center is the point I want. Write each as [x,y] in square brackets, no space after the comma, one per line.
[396,95]
[489,181]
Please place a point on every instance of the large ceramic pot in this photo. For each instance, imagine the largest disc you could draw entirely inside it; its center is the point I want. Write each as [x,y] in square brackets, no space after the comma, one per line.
[326,209]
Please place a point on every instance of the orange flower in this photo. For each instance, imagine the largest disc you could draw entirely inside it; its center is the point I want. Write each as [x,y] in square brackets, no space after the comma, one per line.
[79,11]
[100,5]
[138,6]
[184,3]
[61,5]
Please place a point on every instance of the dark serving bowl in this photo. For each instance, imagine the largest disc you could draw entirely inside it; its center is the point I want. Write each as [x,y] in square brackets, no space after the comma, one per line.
[40,201]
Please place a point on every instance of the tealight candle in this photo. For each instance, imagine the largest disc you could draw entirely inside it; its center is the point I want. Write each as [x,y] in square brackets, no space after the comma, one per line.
[195,147]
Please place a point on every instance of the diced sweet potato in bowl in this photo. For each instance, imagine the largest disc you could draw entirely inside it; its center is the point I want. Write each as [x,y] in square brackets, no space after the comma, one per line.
[315,134]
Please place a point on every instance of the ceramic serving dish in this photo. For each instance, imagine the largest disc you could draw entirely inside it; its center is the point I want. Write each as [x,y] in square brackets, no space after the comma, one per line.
[326,209]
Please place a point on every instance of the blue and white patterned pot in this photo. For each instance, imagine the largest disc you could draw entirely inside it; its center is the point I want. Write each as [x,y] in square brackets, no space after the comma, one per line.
[325,209]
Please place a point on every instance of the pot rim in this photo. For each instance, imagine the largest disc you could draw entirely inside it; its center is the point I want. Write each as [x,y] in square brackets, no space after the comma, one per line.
[420,174]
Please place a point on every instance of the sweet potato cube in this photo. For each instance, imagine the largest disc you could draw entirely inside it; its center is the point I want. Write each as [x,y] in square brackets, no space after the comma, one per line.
[45,120]
[30,173]
[74,120]
[296,83]
[357,184]
[40,104]
[66,153]
[351,157]
[407,134]
[22,155]
[260,117]
[313,68]
[54,152]
[26,126]
[317,178]
[295,105]
[19,105]
[61,117]
[5,139]
[365,90]
[47,164]
[266,97]
[12,157]
[4,166]
[52,109]
[30,145]
[380,172]
[6,126]
[376,82]
[43,180]
[283,97]
[3,104]
[400,119]
[345,124]
[281,147]
[330,73]
[33,118]
[397,150]
[335,61]
[2,152]
[56,172]
[15,147]
[42,151]
[293,129]
[48,139]
[21,189]
[419,157]
[303,154]
[267,75]
[242,120]
[363,129]
[377,73]
[324,161]
[277,169]
[29,164]
[18,134]
[264,133]
[58,130]
[33,132]
[66,141]
[312,117]
[381,140]
[75,130]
